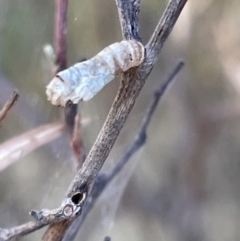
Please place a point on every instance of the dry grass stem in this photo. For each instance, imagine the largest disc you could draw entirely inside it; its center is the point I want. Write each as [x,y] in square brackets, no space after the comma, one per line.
[17,147]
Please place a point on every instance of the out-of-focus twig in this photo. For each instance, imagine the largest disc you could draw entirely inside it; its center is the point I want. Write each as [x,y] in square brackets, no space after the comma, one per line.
[56,231]
[138,142]
[77,143]
[8,105]
[17,147]
[60,47]
[60,31]
[107,238]
[70,112]
[26,113]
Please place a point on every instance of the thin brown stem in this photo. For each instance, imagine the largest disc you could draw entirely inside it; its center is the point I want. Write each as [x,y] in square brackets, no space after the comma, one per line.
[56,231]
[77,143]
[8,105]
[60,42]
[60,46]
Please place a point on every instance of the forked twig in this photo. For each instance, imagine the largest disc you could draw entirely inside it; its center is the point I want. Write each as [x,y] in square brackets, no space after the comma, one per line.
[139,140]
[56,231]
[132,83]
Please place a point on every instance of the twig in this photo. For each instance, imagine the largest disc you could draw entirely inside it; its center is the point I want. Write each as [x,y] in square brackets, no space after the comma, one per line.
[60,46]
[43,218]
[164,27]
[77,143]
[128,14]
[70,112]
[16,232]
[56,231]
[8,105]
[17,147]
[26,113]
[139,140]
[107,238]
[60,42]
[132,83]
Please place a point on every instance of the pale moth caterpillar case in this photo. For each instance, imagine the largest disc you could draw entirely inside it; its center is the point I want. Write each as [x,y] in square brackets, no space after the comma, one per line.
[84,80]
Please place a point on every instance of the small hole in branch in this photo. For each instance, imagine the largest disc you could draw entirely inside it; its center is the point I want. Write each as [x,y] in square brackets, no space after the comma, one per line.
[77,198]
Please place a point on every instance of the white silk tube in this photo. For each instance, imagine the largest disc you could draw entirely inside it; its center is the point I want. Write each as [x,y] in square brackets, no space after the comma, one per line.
[84,80]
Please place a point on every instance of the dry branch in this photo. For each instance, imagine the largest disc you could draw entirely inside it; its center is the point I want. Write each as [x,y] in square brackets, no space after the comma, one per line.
[131,86]
[132,83]
[8,105]
[139,140]
[17,147]
[19,231]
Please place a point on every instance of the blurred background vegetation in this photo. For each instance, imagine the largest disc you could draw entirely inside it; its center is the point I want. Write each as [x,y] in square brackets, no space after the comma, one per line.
[184,183]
